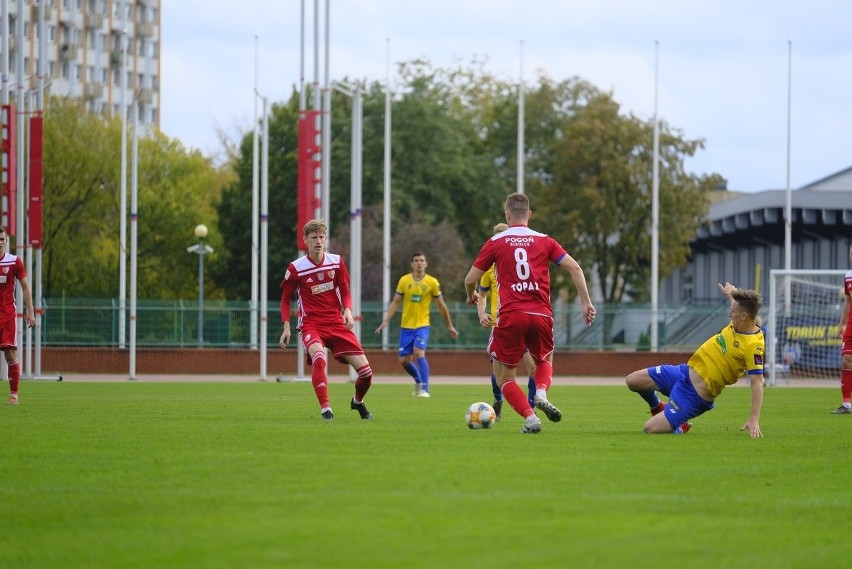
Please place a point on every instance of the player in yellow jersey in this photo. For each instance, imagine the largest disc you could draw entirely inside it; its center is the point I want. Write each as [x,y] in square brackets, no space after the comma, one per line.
[415,291]
[737,350]
[488,318]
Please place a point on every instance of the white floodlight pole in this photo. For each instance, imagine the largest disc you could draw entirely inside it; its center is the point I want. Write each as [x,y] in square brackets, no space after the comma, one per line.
[122,248]
[4,61]
[4,29]
[386,232]
[325,198]
[655,212]
[27,364]
[355,212]
[317,107]
[20,236]
[254,214]
[302,95]
[355,215]
[42,72]
[300,350]
[521,124]
[4,93]
[134,232]
[264,243]
[788,207]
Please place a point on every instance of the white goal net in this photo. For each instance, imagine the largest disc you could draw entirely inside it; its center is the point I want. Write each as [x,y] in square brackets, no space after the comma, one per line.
[802,335]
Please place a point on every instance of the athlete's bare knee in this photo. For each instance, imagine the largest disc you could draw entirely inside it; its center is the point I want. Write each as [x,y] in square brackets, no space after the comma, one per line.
[634,380]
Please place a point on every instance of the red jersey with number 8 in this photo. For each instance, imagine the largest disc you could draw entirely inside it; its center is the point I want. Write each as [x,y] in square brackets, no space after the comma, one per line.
[521,259]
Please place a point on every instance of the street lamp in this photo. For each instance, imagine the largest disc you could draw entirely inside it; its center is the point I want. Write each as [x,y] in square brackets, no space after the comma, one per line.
[201,249]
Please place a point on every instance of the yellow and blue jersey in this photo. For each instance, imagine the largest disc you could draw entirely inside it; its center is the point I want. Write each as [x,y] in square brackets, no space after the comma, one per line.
[417,298]
[488,283]
[727,356]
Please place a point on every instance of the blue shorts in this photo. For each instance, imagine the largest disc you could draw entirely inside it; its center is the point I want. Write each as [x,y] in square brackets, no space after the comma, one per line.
[411,338]
[684,402]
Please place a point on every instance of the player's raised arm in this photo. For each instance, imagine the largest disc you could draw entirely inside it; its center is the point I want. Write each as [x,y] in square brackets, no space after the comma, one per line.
[727,289]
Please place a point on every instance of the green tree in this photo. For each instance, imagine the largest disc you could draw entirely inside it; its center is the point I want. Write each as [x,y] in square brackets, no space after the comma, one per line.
[454,159]
[231,269]
[598,199]
[82,179]
[178,189]
[80,207]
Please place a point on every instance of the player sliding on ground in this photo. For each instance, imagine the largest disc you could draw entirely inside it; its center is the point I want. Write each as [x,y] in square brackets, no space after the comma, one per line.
[720,361]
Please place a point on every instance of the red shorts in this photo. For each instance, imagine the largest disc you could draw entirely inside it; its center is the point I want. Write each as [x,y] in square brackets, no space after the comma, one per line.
[336,337]
[517,332]
[847,346]
[9,333]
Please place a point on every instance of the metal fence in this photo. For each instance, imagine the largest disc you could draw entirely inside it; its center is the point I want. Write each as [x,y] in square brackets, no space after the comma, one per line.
[160,323]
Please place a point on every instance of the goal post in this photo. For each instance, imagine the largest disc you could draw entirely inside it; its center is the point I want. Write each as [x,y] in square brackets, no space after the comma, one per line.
[802,335]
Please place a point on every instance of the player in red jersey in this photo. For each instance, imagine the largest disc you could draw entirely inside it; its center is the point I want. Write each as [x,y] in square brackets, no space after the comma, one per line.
[11,269]
[521,259]
[325,317]
[846,335]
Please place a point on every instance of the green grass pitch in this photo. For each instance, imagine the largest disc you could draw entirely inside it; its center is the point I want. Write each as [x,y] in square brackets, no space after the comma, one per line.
[232,475]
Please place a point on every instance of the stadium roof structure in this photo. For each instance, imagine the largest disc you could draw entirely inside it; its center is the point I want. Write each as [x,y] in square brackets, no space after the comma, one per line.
[821,209]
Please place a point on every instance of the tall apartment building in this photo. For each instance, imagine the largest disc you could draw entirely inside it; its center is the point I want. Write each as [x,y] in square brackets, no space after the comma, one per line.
[85,51]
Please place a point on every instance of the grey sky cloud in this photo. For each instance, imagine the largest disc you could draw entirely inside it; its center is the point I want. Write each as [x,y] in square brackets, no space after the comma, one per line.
[723,65]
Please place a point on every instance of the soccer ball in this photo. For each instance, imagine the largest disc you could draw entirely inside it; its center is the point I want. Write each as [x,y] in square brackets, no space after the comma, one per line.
[480,416]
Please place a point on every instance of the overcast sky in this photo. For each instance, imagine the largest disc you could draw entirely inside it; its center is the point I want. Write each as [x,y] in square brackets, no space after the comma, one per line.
[723,65]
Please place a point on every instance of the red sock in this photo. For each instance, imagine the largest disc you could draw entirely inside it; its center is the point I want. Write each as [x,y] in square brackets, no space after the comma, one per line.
[845,383]
[516,398]
[363,381]
[543,375]
[14,376]
[319,379]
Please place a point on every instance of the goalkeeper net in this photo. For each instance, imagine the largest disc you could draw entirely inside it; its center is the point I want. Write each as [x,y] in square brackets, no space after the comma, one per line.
[802,334]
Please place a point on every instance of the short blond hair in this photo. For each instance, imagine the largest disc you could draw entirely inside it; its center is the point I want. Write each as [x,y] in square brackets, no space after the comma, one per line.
[315,226]
[500,228]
